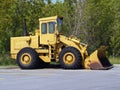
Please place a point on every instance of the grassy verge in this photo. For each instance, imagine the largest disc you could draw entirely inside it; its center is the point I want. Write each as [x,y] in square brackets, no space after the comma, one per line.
[114,60]
[5,60]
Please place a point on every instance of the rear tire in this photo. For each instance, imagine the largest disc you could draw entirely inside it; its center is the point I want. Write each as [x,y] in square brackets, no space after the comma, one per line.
[27,58]
[70,58]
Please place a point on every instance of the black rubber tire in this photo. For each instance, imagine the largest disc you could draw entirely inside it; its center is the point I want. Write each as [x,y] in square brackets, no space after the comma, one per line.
[78,59]
[34,58]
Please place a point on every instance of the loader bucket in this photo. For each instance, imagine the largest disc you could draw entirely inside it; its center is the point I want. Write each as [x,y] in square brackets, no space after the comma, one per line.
[98,60]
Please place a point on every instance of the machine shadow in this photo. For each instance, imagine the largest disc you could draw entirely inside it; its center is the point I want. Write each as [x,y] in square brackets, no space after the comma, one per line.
[50,66]
[56,66]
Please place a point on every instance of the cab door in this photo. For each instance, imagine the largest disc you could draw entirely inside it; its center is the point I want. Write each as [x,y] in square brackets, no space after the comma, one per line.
[48,36]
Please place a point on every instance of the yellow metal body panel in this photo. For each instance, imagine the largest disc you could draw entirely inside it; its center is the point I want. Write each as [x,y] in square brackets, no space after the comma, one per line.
[42,50]
[49,39]
[44,55]
[46,58]
[17,43]
[48,18]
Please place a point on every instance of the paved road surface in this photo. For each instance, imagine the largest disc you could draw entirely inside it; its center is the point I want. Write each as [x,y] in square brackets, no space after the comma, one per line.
[59,79]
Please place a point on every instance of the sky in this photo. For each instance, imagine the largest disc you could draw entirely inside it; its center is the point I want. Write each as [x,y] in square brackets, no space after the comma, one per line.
[56,0]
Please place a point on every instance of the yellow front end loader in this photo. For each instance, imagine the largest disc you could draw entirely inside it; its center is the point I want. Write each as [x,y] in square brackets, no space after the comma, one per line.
[48,45]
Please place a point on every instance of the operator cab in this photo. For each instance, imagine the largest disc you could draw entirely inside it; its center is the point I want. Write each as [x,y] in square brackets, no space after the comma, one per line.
[49,28]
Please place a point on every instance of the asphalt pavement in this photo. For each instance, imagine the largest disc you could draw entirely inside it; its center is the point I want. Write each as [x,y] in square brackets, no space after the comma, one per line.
[59,79]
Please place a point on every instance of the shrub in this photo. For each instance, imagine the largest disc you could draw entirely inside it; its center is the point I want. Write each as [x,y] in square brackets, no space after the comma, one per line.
[6,60]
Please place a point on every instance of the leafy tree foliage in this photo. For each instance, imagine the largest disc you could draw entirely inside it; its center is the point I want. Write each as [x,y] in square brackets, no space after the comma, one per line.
[96,22]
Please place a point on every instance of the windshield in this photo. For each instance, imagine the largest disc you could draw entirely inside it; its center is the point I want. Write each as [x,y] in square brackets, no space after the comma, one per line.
[59,20]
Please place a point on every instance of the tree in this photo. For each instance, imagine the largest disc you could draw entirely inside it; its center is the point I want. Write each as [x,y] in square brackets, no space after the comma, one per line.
[12,14]
[99,18]
[4,25]
[96,22]
[115,37]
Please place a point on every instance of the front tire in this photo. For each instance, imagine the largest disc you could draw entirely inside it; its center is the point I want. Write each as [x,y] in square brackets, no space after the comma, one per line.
[27,58]
[70,58]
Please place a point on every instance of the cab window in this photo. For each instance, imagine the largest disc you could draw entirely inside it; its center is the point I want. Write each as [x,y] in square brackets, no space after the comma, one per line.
[59,20]
[51,27]
[44,28]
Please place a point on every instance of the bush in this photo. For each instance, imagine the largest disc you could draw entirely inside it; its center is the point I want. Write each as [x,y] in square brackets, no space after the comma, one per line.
[115,60]
[6,60]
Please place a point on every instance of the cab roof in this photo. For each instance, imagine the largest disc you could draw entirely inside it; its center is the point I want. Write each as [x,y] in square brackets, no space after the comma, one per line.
[49,18]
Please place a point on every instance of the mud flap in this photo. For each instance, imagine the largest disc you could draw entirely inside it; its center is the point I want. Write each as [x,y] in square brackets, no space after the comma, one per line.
[98,60]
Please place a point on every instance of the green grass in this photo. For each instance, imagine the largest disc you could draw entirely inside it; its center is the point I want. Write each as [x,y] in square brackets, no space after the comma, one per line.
[5,60]
[114,60]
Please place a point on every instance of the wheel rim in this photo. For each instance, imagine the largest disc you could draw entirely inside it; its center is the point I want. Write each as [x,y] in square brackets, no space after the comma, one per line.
[69,58]
[26,59]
